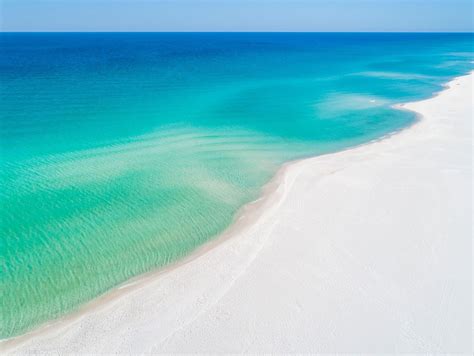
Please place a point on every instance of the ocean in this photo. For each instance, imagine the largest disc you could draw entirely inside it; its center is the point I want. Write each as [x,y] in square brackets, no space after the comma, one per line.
[124,152]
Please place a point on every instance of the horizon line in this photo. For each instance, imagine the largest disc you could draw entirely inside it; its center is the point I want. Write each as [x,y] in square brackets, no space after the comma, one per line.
[87,31]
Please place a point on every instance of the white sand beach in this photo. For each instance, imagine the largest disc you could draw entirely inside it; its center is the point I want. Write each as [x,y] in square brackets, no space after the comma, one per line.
[365,250]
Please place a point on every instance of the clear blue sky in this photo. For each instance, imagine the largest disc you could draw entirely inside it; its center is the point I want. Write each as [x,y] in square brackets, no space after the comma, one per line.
[237,15]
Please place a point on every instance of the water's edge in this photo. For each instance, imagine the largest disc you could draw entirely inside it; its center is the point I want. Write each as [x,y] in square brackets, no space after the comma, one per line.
[244,218]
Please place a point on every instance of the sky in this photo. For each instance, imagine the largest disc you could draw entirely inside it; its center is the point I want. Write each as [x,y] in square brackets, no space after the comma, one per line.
[238,15]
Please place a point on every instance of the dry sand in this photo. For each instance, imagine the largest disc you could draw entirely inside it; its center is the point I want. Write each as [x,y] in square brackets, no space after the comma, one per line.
[365,250]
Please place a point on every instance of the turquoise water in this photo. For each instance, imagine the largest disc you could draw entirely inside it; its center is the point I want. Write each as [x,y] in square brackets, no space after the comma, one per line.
[121,153]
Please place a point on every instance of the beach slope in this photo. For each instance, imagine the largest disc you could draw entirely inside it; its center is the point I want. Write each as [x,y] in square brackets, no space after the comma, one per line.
[365,250]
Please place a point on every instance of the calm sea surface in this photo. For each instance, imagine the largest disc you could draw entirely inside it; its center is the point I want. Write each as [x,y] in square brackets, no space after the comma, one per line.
[121,153]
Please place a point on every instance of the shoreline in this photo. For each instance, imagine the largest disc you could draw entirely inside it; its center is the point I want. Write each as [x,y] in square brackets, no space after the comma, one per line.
[272,196]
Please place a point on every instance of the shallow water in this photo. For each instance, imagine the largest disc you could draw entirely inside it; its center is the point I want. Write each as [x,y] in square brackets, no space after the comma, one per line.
[121,153]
